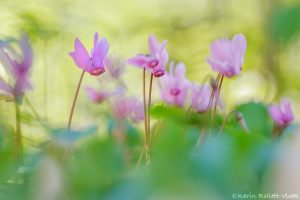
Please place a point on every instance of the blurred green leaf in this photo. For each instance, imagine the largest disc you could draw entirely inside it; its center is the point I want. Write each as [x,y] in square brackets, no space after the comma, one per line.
[257,118]
[65,136]
[94,169]
[7,166]
[284,23]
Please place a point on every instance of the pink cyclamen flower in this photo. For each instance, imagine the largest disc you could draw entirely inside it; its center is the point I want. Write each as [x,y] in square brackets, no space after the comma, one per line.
[92,63]
[115,66]
[200,97]
[156,61]
[174,85]
[127,107]
[18,67]
[282,114]
[227,57]
[97,96]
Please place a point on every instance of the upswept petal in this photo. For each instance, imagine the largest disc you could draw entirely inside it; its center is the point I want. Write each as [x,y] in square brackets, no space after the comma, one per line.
[240,43]
[80,55]
[140,60]
[180,70]
[153,44]
[227,57]
[27,53]
[286,108]
[275,114]
[100,52]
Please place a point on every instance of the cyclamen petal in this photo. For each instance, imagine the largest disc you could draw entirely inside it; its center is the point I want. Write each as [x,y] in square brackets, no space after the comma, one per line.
[153,44]
[5,87]
[140,61]
[282,114]
[26,51]
[227,57]
[128,107]
[115,66]
[97,96]
[174,87]
[156,61]
[94,63]
[200,97]
[17,68]
[99,53]
[81,56]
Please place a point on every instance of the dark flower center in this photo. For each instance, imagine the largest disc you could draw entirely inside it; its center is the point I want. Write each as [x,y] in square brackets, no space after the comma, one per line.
[153,63]
[97,71]
[159,73]
[175,91]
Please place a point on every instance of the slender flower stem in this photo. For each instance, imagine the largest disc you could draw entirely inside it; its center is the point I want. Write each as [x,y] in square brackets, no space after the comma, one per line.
[148,119]
[149,102]
[145,116]
[35,113]
[75,99]
[212,94]
[18,136]
[216,101]
[37,116]
[189,110]
[226,120]
[277,131]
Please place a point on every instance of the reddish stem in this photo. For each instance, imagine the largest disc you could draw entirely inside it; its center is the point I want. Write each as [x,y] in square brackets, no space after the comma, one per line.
[216,100]
[213,94]
[149,131]
[145,114]
[75,99]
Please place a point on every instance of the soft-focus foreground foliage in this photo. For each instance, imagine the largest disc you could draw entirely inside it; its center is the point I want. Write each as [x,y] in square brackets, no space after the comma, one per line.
[82,165]
[192,141]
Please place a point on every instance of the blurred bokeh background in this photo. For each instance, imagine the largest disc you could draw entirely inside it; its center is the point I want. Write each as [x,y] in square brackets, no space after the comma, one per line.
[271,68]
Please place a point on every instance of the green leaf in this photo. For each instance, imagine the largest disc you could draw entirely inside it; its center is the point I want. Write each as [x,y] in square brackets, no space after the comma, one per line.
[284,23]
[257,118]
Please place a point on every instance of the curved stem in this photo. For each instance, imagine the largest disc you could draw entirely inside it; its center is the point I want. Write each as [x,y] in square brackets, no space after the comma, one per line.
[145,115]
[216,101]
[148,118]
[18,136]
[277,131]
[212,94]
[149,102]
[75,99]
[226,120]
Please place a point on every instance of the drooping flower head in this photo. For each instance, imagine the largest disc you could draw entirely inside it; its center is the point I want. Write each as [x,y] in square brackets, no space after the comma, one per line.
[128,107]
[174,85]
[154,62]
[18,67]
[200,97]
[115,66]
[282,113]
[99,96]
[227,57]
[93,63]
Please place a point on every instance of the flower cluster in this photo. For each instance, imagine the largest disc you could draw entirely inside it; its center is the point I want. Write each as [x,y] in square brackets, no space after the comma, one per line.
[154,62]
